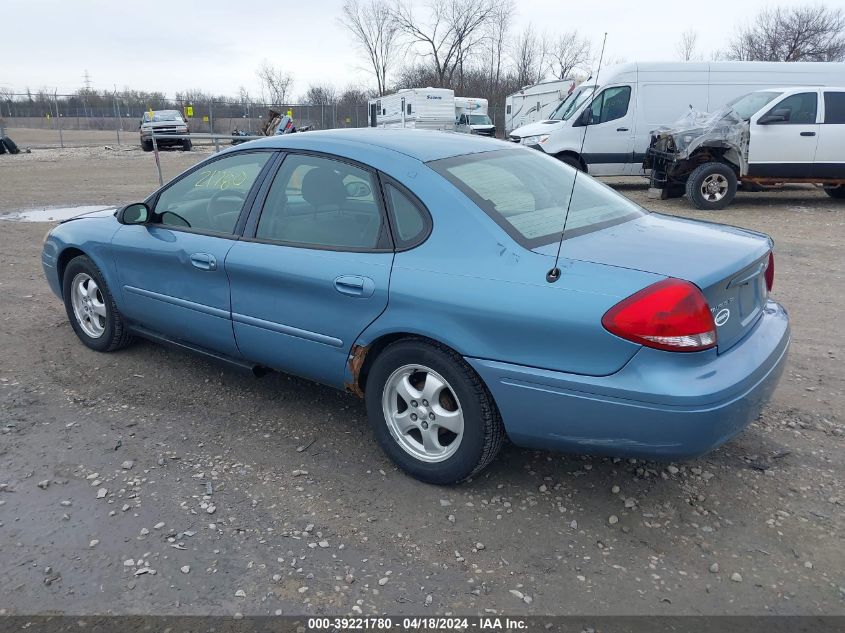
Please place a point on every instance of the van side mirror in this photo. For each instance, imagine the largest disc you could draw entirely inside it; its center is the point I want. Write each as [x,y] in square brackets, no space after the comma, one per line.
[585,118]
[137,213]
[775,116]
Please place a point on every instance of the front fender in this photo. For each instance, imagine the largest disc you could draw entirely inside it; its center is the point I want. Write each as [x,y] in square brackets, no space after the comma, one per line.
[92,237]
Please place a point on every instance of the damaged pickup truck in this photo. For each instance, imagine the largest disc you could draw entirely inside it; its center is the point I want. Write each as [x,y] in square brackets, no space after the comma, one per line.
[768,137]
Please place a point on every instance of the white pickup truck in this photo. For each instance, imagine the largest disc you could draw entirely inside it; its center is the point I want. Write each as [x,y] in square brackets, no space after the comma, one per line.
[767,137]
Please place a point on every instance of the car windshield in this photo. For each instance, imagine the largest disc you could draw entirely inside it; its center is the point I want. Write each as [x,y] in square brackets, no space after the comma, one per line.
[527,193]
[163,115]
[479,119]
[572,103]
[746,105]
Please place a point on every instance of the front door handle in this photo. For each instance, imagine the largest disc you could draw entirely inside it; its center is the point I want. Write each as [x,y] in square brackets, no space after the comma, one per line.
[355,286]
[204,261]
[621,129]
[808,133]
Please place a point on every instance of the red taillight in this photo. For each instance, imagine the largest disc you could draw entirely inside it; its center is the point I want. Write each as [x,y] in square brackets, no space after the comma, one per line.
[770,272]
[670,315]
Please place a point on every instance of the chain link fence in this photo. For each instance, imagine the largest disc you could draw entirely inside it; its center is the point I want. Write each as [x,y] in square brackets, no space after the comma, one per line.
[56,120]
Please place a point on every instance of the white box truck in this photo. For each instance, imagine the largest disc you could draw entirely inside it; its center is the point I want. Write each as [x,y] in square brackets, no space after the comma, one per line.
[535,103]
[471,116]
[423,108]
[631,100]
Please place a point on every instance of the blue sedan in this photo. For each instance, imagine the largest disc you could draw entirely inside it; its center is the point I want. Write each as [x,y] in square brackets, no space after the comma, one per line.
[425,272]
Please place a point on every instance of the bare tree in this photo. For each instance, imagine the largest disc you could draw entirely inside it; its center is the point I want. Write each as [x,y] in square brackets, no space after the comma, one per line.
[568,52]
[321,94]
[792,34]
[275,83]
[685,49]
[497,35]
[451,29]
[375,33]
[530,54]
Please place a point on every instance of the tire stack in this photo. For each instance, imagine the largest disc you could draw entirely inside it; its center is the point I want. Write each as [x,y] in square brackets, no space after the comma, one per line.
[7,145]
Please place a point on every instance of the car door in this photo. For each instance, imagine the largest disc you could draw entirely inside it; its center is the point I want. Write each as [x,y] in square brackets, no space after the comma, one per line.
[830,153]
[313,271]
[608,125]
[784,136]
[172,278]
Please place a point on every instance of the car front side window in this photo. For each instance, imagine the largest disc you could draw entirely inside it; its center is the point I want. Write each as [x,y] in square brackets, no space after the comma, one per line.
[610,105]
[211,198]
[797,109]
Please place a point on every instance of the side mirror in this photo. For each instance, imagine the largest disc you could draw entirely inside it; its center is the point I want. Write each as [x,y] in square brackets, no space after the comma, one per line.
[775,116]
[138,213]
[585,118]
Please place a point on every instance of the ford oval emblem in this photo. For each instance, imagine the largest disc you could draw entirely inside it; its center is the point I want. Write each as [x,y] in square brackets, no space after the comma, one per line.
[722,317]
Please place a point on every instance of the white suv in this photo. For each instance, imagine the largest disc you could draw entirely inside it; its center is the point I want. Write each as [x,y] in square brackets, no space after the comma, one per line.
[772,136]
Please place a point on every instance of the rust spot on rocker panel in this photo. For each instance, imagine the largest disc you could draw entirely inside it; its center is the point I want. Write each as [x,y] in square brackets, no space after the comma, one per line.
[356,362]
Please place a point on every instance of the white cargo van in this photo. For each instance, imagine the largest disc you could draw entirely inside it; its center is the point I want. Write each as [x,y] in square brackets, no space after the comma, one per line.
[631,100]
[471,116]
[535,103]
[424,108]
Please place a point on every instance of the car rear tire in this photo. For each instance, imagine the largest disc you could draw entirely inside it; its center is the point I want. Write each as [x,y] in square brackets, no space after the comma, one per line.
[147,146]
[572,162]
[711,186]
[186,145]
[836,192]
[91,308]
[431,413]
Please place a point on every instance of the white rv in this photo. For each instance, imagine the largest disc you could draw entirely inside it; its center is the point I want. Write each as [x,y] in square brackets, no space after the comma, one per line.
[471,116]
[424,108]
[535,103]
[612,118]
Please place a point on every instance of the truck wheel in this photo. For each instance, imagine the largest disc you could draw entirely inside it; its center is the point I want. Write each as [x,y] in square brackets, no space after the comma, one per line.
[431,413]
[147,146]
[572,162]
[836,192]
[711,186]
[186,145]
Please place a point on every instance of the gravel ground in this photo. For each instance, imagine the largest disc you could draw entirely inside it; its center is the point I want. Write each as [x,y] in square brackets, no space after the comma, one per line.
[151,481]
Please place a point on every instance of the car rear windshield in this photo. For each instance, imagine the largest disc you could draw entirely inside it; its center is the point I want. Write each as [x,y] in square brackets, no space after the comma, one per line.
[527,193]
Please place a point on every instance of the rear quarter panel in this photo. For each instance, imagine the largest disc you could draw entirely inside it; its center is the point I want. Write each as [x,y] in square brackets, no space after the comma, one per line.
[471,287]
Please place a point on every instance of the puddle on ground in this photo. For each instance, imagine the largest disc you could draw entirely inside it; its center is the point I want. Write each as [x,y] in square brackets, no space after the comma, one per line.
[51,214]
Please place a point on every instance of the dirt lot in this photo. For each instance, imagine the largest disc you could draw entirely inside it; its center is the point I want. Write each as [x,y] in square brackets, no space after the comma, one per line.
[150,481]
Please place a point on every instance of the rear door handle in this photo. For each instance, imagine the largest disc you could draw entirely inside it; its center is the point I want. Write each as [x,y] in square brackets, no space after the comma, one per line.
[808,133]
[204,261]
[621,129]
[355,286]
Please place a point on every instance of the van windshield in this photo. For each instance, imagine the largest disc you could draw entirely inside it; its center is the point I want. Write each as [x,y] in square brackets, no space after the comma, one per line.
[479,119]
[572,103]
[746,105]
[527,194]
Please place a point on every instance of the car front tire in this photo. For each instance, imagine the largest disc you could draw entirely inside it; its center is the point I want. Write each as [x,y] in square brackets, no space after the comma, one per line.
[431,413]
[147,146]
[91,309]
[572,162]
[186,145]
[711,186]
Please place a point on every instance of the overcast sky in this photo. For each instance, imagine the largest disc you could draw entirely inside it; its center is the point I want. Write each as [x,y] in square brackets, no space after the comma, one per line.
[216,45]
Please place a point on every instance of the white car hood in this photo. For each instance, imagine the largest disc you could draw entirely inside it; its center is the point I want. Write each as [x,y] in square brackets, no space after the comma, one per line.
[534,129]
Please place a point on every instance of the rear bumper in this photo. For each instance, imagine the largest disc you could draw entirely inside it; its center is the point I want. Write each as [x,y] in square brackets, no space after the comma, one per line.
[660,405]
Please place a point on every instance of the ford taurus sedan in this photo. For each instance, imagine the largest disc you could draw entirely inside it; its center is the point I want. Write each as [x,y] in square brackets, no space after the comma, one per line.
[412,268]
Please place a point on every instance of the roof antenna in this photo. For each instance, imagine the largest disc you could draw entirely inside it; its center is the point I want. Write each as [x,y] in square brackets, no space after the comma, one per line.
[554,274]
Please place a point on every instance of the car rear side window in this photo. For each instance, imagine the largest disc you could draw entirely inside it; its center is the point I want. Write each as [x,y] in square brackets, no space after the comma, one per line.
[834,107]
[321,202]
[410,222]
[527,193]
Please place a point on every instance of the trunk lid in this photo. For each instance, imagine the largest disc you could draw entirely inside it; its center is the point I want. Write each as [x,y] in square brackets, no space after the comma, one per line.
[727,263]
